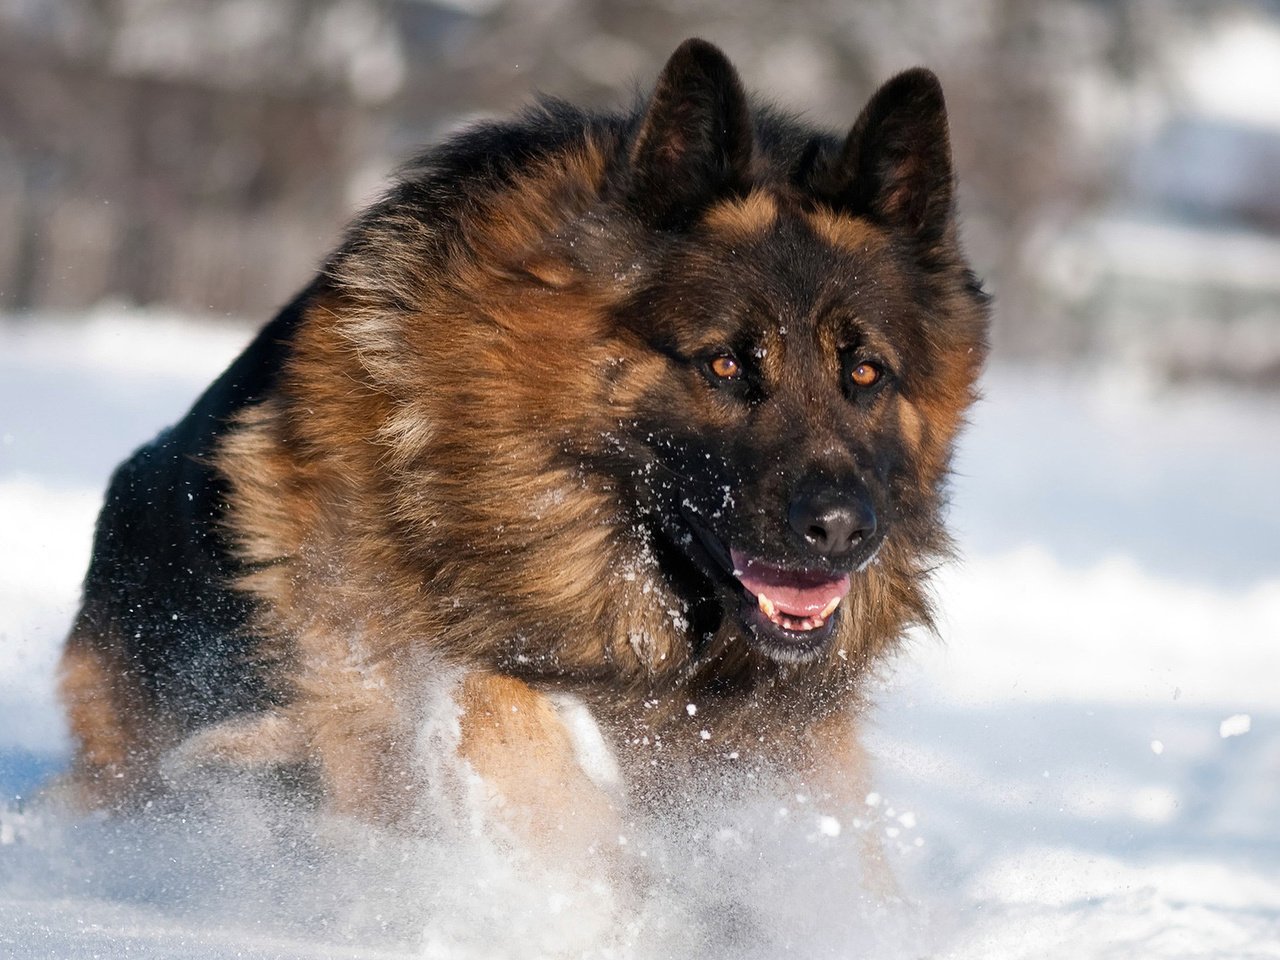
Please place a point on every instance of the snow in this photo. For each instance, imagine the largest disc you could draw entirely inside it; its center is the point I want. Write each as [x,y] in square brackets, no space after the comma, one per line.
[1235,725]
[1086,765]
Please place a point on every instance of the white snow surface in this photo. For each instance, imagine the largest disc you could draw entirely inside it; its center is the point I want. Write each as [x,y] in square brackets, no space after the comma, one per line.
[1085,765]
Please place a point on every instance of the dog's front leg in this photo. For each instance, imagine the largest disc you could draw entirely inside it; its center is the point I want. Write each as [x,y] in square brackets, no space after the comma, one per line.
[839,773]
[531,765]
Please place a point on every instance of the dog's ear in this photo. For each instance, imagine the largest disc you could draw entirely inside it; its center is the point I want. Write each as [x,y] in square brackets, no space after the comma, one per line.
[694,143]
[895,166]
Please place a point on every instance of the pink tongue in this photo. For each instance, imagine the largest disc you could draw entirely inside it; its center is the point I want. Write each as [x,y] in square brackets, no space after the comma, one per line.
[799,593]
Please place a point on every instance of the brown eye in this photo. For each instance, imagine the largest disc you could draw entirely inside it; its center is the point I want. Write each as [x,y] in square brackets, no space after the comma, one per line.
[865,374]
[725,367]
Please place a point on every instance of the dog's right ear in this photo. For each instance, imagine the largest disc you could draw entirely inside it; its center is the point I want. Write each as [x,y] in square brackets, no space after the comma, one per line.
[694,144]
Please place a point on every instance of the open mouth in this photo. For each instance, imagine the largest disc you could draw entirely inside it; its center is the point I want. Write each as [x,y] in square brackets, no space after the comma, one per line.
[790,612]
[797,601]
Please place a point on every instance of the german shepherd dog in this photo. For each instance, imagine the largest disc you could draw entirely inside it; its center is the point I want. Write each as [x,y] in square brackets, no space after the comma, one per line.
[644,416]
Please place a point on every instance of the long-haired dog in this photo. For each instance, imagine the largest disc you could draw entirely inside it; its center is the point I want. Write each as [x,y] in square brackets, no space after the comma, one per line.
[643,416]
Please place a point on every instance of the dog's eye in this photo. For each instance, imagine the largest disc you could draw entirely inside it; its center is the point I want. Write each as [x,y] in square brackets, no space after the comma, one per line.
[725,367]
[865,374]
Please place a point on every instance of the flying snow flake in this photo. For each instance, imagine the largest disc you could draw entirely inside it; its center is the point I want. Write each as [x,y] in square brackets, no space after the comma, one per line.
[829,826]
[691,709]
[873,799]
[1157,747]
[1235,725]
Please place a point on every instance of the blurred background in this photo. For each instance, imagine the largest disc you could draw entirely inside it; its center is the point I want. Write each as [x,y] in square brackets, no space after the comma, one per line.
[1120,159]
[1088,767]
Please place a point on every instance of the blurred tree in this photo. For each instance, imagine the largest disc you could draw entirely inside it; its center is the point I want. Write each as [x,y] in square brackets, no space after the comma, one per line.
[204,153]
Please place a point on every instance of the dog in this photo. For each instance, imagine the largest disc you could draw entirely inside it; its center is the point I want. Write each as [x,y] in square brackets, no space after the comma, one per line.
[631,428]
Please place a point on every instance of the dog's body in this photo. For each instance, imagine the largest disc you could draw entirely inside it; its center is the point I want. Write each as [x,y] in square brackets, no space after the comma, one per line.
[653,410]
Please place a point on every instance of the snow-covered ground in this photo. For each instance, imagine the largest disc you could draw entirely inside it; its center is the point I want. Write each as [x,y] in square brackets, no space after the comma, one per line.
[1087,767]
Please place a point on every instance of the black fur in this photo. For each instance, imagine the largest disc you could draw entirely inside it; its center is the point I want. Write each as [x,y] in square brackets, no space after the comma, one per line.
[160,571]
[695,143]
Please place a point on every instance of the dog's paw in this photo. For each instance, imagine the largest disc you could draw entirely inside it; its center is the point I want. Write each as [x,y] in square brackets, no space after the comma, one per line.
[259,742]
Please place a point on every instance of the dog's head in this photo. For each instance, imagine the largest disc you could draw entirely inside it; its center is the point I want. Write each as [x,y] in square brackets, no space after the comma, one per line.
[745,341]
[803,345]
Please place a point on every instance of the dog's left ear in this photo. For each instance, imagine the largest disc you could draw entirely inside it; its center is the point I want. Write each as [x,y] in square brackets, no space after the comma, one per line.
[895,166]
[694,145]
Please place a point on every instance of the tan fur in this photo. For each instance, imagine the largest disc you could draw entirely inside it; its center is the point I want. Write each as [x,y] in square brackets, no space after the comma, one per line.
[513,738]
[856,236]
[339,692]
[911,424]
[262,740]
[744,219]
[117,736]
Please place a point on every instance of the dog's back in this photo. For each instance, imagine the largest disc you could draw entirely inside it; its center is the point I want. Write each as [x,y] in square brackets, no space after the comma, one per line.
[163,643]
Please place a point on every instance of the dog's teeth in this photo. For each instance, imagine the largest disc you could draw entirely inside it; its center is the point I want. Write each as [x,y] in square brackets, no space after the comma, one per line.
[767,606]
[829,609]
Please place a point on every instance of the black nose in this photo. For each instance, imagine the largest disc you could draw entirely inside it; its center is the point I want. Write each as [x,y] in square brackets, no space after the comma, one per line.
[830,521]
